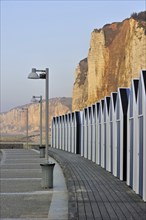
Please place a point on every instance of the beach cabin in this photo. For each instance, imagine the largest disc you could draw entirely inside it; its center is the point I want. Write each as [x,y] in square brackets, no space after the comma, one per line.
[53,133]
[107,151]
[113,133]
[72,133]
[89,143]
[97,152]
[69,132]
[142,134]
[65,133]
[70,122]
[77,131]
[132,139]
[62,132]
[56,125]
[121,125]
[84,150]
[59,132]
[101,135]
[93,132]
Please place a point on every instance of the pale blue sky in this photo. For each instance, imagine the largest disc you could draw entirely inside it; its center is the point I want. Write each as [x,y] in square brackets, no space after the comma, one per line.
[53,34]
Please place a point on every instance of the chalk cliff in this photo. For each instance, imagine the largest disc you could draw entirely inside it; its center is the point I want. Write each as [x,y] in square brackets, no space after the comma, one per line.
[116,55]
[14,121]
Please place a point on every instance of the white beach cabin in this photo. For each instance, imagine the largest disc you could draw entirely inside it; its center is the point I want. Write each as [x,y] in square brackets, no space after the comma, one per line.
[97,150]
[121,125]
[113,133]
[101,135]
[132,137]
[107,151]
[142,133]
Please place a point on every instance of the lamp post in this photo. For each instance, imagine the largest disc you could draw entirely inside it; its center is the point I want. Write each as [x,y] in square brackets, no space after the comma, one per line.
[47,168]
[26,109]
[44,74]
[34,99]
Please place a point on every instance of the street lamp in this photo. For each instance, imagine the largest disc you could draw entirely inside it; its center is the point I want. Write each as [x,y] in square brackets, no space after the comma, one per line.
[26,109]
[47,168]
[34,100]
[44,74]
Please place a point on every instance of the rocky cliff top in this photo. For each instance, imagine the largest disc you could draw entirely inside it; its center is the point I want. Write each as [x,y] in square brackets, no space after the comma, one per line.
[116,55]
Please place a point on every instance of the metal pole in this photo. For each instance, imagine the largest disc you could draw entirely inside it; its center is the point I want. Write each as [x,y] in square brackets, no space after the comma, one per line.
[27,125]
[40,120]
[47,95]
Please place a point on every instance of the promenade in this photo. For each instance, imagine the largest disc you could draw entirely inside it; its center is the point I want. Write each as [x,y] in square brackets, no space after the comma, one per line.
[84,192]
[21,194]
[95,193]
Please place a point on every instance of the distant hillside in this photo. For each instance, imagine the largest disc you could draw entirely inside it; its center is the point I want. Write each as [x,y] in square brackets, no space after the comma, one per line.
[13,122]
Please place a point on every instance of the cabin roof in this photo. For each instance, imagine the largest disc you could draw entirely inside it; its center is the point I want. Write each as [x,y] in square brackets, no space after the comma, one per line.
[108,102]
[124,94]
[144,78]
[114,95]
[135,84]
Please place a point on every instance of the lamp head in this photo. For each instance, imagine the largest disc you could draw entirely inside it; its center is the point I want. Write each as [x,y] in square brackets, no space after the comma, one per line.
[33,74]
[33,99]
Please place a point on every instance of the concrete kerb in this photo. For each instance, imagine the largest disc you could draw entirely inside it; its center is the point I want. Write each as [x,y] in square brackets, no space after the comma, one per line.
[3,157]
[59,204]
[72,206]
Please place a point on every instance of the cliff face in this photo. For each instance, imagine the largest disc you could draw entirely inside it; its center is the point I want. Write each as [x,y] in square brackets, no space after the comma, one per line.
[80,93]
[14,121]
[116,55]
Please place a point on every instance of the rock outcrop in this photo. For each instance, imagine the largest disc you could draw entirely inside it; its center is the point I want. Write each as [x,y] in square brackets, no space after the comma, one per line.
[116,55]
[80,92]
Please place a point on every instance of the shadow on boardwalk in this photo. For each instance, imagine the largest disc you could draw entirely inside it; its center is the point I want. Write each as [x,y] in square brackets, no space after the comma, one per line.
[95,193]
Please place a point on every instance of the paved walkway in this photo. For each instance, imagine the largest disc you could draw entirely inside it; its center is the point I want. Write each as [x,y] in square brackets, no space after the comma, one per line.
[95,193]
[21,194]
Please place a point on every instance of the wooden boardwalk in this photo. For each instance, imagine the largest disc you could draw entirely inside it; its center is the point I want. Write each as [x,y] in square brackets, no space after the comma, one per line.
[95,193]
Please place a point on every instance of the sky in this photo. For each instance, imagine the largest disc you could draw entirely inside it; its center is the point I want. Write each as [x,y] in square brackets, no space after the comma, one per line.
[50,34]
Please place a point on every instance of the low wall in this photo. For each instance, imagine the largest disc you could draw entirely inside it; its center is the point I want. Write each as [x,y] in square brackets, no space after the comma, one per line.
[11,145]
[14,145]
